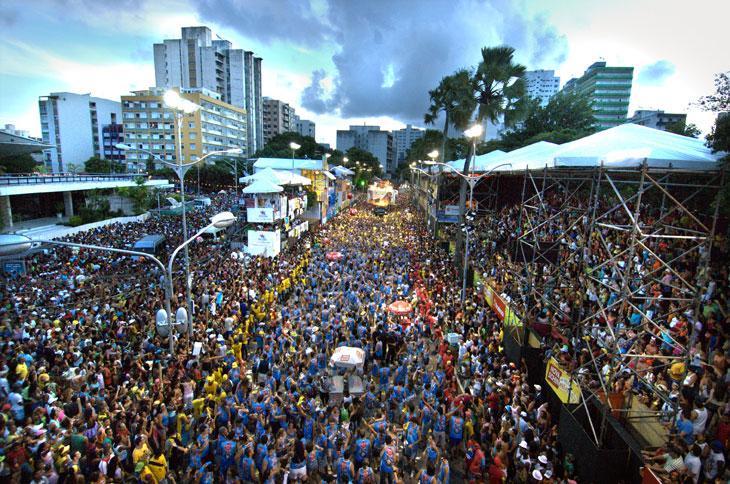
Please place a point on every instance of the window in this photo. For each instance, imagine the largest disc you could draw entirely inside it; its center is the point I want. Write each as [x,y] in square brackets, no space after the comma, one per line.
[192,146]
[193,135]
[191,124]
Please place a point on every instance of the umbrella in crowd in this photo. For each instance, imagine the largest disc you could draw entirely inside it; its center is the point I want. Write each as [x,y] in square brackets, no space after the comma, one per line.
[400,308]
[334,255]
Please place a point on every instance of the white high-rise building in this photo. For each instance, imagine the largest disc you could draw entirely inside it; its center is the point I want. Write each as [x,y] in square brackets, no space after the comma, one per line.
[198,61]
[75,124]
[542,84]
[372,139]
[404,139]
[304,127]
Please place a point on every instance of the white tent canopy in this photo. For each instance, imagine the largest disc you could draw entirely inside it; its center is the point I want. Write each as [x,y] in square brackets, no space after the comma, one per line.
[262,186]
[277,177]
[625,146]
[519,159]
[480,163]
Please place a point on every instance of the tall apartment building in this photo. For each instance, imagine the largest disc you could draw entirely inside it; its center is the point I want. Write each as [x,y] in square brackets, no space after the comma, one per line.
[304,127]
[610,90]
[198,61]
[404,138]
[541,84]
[148,126]
[370,138]
[278,118]
[75,124]
[656,119]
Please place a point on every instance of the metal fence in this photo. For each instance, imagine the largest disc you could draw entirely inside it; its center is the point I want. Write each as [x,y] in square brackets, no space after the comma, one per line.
[6,180]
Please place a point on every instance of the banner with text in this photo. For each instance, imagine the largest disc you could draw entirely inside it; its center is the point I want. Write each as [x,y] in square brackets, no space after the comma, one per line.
[559,380]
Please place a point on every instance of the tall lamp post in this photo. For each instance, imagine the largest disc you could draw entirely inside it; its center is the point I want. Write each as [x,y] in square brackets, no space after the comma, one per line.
[472,181]
[18,244]
[294,147]
[433,155]
[181,170]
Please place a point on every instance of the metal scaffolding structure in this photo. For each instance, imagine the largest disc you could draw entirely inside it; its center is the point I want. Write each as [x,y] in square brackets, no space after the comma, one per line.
[577,268]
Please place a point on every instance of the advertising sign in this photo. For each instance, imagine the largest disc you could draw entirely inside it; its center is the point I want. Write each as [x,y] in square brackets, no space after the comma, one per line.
[260,215]
[17,266]
[264,243]
[449,214]
[559,380]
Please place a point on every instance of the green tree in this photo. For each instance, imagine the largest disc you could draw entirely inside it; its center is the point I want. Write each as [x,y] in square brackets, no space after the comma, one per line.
[360,160]
[278,147]
[719,137]
[499,87]
[684,129]
[454,97]
[720,101]
[566,117]
[98,165]
[17,164]
[421,147]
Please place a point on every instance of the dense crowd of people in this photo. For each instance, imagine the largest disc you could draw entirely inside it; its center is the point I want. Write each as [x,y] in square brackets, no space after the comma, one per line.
[89,393]
[652,328]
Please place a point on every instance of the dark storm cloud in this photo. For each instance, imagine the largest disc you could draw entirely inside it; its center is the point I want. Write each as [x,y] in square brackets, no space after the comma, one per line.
[389,53]
[266,21]
[655,74]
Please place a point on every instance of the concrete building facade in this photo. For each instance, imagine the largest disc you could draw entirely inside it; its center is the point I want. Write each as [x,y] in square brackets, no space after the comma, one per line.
[149,126]
[278,118]
[197,61]
[404,138]
[542,84]
[609,88]
[304,127]
[75,123]
[370,138]
[656,119]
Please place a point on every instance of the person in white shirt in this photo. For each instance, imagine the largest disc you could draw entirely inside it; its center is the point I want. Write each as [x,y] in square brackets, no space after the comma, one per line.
[693,463]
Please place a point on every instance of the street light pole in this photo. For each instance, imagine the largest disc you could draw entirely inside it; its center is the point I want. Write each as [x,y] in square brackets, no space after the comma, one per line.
[294,146]
[472,181]
[25,245]
[221,220]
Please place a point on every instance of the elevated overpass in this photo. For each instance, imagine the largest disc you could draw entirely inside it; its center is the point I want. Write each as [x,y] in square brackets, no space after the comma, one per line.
[38,184]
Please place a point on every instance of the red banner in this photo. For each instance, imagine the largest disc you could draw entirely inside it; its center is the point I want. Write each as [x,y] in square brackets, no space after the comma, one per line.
[499,307]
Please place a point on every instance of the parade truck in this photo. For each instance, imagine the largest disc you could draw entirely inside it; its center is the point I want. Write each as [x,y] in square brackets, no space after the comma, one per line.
[381,194]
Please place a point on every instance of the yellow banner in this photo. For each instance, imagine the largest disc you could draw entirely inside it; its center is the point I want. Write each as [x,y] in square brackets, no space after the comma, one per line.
[559,380]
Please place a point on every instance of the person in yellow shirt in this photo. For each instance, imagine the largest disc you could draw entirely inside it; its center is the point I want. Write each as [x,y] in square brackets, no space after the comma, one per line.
[158,466]
[21,369]
[141,452]
[198,405]
[211,386]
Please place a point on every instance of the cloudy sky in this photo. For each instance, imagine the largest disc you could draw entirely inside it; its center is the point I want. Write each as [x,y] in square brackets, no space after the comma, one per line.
[341,62]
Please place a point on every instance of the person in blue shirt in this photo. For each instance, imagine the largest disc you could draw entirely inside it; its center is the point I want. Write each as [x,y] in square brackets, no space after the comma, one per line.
[345,469]
[362,448]
[456,431]
[413,438]
[246,466]
[684,426]
[227,451]
[388,461]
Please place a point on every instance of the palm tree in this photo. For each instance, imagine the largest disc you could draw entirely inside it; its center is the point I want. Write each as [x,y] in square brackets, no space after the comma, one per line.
[499,89]
[454,96]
